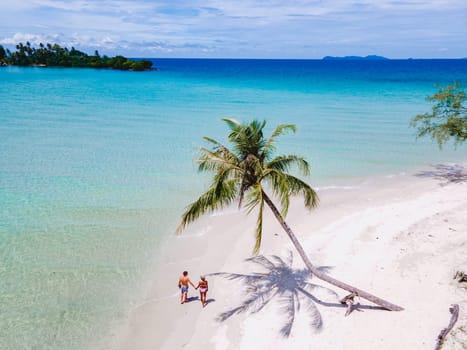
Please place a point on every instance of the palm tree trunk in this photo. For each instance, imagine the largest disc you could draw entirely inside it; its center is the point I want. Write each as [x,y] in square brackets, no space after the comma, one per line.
[321,275]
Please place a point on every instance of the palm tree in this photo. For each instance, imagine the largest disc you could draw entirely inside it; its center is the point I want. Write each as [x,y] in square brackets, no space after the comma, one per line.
[242,172]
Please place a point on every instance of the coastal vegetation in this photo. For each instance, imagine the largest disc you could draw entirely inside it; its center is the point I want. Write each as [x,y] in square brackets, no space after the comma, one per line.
[56,56]
[245,171]
[448,117]
[447,120]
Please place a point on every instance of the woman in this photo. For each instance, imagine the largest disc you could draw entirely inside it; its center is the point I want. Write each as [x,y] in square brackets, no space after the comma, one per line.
[203,289]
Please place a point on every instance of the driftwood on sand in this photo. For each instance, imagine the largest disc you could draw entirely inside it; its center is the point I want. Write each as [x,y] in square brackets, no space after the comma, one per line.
[454,309]
[349,300]
[460,276]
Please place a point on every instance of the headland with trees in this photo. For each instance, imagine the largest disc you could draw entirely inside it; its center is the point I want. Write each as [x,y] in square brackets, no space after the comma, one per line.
[53,55]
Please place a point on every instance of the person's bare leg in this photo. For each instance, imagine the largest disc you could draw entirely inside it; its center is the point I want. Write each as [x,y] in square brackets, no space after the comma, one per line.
[203,299]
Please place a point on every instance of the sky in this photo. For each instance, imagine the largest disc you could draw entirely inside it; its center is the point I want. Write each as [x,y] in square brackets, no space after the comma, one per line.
[242,28]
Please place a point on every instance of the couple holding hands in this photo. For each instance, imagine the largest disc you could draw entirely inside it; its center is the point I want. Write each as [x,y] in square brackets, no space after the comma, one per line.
[183,285]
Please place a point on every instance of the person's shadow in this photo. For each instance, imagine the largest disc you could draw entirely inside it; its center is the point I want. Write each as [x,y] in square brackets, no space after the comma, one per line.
[196,298]
[210,300]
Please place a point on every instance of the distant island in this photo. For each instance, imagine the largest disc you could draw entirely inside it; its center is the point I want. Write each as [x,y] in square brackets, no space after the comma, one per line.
[55,56]
[354,58]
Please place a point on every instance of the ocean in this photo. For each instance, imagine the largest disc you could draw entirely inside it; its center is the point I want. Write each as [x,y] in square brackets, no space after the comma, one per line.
[97,166]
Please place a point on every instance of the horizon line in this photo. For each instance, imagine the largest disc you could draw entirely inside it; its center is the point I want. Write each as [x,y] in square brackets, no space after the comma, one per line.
[339,58]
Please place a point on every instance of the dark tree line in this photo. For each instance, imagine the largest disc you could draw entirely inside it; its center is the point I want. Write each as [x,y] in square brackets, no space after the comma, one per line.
[56,56]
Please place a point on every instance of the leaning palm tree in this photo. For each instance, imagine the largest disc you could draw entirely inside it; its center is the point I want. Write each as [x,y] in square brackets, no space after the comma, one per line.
[243,173]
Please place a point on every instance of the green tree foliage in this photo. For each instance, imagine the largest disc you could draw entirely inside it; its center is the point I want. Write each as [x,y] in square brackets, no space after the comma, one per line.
[448,117]
[56,56]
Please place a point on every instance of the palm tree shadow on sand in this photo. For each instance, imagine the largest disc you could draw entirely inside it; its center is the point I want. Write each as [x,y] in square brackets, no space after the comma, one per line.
[291,288]
[447,173]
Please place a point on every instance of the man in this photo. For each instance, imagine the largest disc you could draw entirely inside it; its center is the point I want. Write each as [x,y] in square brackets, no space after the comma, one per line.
[183,285]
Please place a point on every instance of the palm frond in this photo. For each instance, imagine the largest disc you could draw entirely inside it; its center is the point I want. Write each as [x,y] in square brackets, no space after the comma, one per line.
[251,175]
[248,139]
[254,197]
[243,188]
[281,129]
[211,161]
[255,200]
[280,189]
[286,162]
[222,176]
[299,187]
[220,147]
[218,196]
[285,185]
[232,123]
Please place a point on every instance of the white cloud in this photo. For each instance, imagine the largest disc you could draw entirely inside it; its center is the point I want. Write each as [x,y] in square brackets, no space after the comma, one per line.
[127,6]
[251,28]
[34,39]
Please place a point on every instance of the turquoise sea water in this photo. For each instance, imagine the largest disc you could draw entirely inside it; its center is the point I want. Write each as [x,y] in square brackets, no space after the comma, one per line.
[96,166]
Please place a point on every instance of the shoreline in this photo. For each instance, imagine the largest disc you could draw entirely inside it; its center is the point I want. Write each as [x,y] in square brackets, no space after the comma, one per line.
[366,232]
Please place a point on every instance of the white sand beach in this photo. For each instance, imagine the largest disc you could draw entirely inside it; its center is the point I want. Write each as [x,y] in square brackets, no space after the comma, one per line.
[401,238]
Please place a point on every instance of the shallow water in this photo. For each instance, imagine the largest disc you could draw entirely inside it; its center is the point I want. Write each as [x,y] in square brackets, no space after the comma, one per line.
[96,166]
